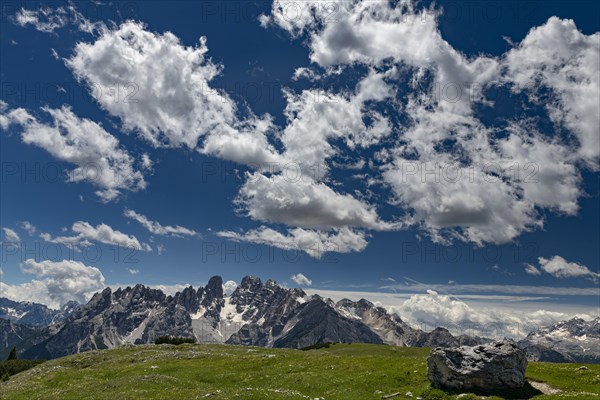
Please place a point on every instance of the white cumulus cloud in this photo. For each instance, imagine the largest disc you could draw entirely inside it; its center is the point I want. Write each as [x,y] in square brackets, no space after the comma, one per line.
[85,232]
[166,96]
[301,279]
[494,205]
[11,235]
[302,202]
[97,155]
[28,227]
[56,282]
[229,287]
[432,310]
[49,19]
[561,268]
[558,56]
[531,270]
[315,243]
[158,229]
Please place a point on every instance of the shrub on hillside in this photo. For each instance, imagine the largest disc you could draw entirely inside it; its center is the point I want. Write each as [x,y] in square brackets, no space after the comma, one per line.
[12,367]
[174,340]
[13,354]
[317,346]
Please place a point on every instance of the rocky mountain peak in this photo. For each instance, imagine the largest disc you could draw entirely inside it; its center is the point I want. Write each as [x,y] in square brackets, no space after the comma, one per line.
[214,285]
[576,326]
[252,283]
[212,299]
[575,340]
[101,299]
[298,293]
[345,303]
[189,299]
[213,289]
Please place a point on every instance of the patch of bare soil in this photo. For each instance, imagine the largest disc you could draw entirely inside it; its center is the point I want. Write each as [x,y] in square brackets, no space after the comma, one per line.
[544,387]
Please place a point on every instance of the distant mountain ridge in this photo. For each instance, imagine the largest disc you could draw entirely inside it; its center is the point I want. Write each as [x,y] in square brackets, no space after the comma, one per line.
[34,314]
[268,315]
[20,336]
[256,313]
[575,340]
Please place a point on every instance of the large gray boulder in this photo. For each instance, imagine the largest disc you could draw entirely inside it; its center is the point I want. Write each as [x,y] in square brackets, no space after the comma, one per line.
[484,368]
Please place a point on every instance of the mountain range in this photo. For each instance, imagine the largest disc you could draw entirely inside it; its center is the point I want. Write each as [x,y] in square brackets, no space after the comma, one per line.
[574,340]
[257,314]
[34,314]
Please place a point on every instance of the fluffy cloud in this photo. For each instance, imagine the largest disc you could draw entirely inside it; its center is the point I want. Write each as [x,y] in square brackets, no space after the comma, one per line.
[467,183]
[433,309]
[561,268]
[28,227]
[44,20]
[229,287]
[488,315]
[161,89]
[11,235]
[317,117]
[361,32]
[313,242]
[294,193]
[300,279]
[498,203]
[176,106]
[558,56]
[299,201]
[97,154]
[531,270]
[56,282]
[158,229]
[164,85]
[102,233]
[48,19]
[247,144]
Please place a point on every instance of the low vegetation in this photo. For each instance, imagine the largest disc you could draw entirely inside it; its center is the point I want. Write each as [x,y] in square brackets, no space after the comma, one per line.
[191,371]
[12,365]
[174,340]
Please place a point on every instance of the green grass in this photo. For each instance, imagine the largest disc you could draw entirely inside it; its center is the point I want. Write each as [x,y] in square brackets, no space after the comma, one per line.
[187,371]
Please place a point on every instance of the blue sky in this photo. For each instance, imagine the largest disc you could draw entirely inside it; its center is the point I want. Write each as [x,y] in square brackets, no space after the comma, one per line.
[207,151]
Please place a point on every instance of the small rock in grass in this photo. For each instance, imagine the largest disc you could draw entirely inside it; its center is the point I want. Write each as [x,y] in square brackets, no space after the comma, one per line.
[583,368]
[408,394]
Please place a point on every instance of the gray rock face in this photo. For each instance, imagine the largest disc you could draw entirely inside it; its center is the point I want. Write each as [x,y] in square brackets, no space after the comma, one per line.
[267,311]
[483,368]
[569,341]
[319,322]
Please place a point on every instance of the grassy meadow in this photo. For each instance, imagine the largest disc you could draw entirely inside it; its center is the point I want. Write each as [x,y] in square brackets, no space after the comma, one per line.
[193,371]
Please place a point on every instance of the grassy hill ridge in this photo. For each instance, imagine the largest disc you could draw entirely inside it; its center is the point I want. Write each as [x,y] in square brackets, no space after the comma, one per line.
[341,371]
